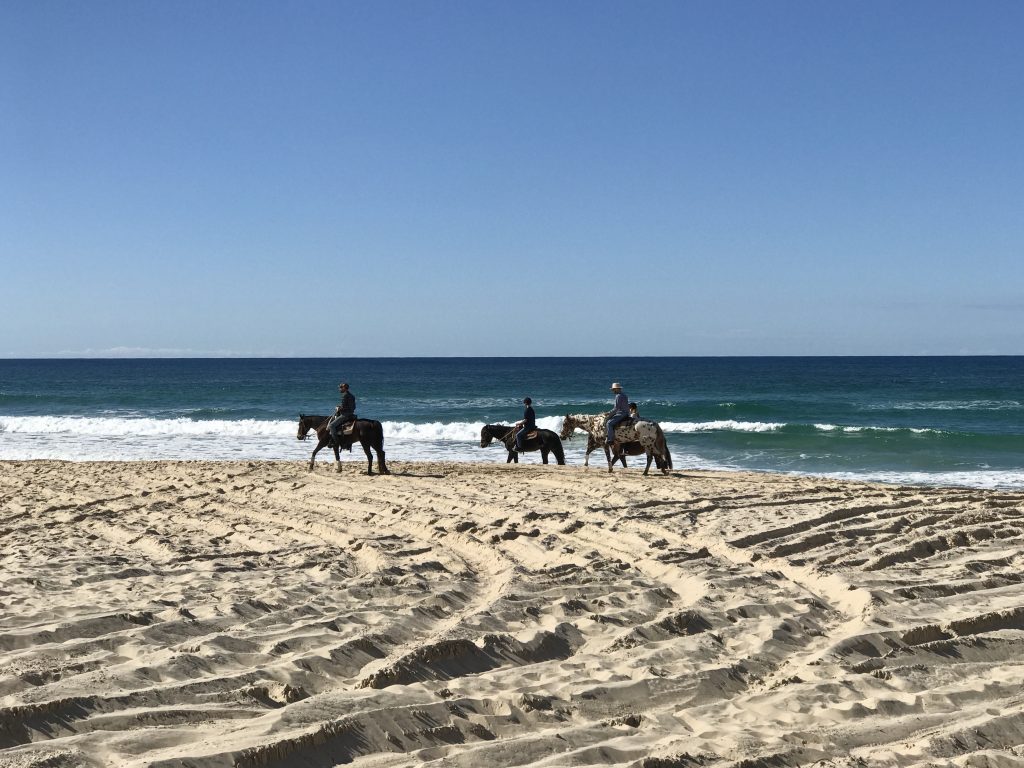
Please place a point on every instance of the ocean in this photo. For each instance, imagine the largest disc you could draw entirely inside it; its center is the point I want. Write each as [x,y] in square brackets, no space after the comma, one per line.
[912,420]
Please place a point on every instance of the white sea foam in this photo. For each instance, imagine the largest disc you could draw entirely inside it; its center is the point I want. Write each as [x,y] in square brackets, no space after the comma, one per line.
[99,426]
[728,425]
[1002,479]
[128,439]
[949,405]
[139,439]
[914,430]
[72,427]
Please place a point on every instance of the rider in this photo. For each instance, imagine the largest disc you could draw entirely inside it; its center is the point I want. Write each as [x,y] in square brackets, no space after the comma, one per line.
[344,413]
[526,424]
[634,412]
[618,414]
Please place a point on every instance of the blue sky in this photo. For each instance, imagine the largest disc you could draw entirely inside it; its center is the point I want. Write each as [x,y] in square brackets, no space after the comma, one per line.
[480,178]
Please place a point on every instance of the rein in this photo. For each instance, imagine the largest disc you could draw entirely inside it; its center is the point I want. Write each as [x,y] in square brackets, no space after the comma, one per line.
[308,423]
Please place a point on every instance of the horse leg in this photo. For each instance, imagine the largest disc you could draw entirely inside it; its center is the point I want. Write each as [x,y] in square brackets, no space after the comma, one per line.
[316,450]
[369,458]
[544,455]
[650,458]
[382,467]
[608,456]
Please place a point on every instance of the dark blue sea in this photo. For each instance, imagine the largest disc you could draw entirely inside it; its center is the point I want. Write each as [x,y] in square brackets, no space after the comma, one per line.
[929,420]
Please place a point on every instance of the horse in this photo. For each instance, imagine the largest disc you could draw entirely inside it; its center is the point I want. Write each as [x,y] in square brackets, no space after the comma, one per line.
[596,439]
[647,434]
[546,440]
[369,433]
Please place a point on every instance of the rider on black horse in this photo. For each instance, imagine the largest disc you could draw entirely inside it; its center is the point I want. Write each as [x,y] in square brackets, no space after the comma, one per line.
[527,424]
[344,413]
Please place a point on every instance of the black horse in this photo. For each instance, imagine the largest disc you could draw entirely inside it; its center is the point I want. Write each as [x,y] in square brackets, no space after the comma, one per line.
[546,440]
[369,434]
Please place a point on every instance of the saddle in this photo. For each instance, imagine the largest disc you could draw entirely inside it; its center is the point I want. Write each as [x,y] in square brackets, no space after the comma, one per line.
[531,434]
[348,427]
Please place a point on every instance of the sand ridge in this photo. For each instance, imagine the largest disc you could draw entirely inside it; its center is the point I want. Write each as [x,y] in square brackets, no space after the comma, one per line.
[254,614]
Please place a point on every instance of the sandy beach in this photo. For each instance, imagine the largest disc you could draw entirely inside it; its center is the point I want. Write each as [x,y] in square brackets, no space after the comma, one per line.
[254,614]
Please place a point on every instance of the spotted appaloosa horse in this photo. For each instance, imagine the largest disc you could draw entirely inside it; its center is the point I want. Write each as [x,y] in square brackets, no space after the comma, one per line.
[647,433]
[369,434]
[596,440]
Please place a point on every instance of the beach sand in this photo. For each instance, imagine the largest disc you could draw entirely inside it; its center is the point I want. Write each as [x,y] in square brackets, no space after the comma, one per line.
[254,614]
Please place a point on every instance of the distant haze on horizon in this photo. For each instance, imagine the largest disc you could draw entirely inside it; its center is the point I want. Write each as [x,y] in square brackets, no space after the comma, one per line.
[340,179]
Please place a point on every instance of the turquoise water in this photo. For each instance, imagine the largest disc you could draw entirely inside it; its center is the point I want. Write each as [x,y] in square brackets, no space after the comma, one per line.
[948,420]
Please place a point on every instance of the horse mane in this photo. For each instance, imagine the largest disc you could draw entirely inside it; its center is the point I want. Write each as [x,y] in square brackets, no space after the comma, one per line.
[495,427]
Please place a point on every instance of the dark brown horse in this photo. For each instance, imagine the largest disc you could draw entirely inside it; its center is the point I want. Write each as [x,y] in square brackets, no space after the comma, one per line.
[366,432]
[546,440]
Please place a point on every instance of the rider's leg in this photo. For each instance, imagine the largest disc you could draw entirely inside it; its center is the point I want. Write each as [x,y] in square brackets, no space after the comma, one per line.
[612,423]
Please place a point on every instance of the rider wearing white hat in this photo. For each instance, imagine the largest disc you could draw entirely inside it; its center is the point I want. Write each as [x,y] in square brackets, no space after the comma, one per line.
[619,413]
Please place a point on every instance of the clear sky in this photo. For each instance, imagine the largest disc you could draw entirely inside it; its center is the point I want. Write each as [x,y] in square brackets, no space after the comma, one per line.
[519,178]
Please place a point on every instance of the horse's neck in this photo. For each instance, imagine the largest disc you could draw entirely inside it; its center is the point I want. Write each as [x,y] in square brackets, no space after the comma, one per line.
[588,423]
[503,433]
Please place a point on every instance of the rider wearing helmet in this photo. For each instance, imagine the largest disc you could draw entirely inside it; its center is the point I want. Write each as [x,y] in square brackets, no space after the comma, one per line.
[526,424]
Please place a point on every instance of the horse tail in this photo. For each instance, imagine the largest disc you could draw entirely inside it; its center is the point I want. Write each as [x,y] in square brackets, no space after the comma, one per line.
[378,435]
[663,447]
[556,448]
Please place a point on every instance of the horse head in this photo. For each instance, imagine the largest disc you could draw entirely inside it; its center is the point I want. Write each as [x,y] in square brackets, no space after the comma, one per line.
[485,437]
[500,432]
[304,427]
[568,427]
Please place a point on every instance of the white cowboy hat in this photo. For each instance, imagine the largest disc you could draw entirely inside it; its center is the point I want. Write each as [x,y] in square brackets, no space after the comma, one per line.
[616,385]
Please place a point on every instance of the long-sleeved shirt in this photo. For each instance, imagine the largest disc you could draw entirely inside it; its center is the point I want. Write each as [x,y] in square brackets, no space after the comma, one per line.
[621,404]
[348,405]
[529,418]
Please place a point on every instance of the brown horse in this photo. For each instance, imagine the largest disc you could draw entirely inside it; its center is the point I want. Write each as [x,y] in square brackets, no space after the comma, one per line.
[367,432]
[546,440]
